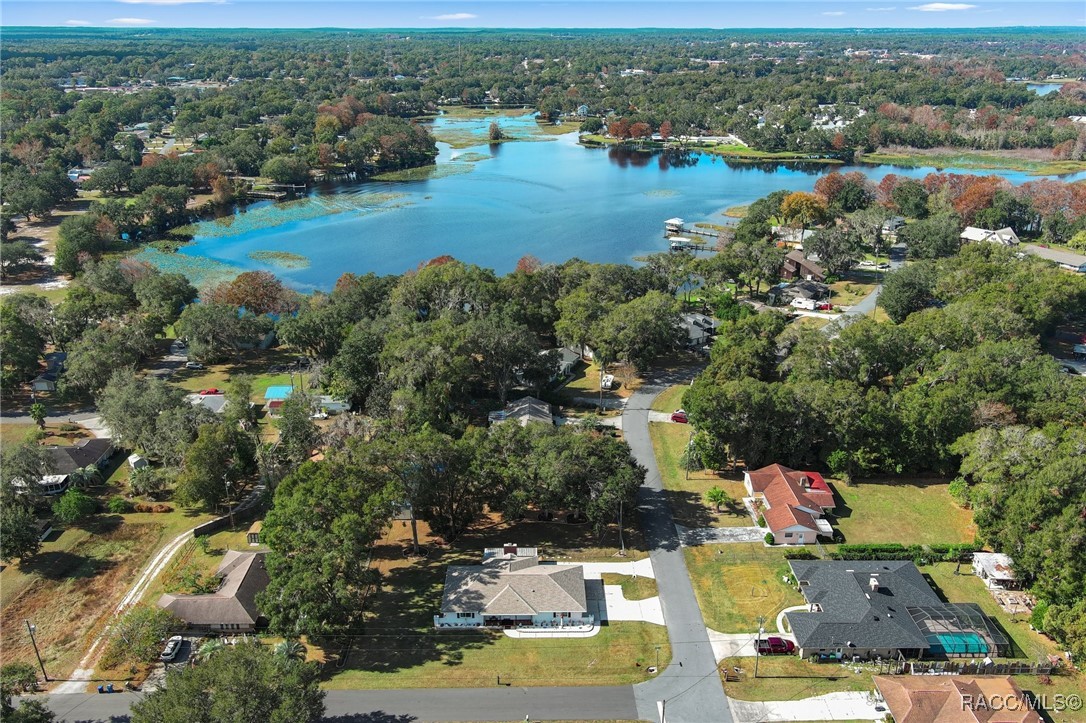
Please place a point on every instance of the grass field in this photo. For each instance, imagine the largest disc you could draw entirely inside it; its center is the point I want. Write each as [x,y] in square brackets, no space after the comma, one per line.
[978,160]
[585,383]
[68,590]
[399,648]
[634,587]
[847,293]
[737,211]
[787,677]
[736,583]
[687,496]
[922,513]
[670,399]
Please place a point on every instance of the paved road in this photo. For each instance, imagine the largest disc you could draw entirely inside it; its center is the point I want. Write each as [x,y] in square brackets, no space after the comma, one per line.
[867,304]
[690,687]
[404,706]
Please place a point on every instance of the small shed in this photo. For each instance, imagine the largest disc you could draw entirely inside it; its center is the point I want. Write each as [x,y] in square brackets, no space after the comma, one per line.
[136,461]
[253,536]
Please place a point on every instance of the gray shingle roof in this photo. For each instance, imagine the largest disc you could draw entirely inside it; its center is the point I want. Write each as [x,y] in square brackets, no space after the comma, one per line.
[234,602]
[514,586]
[524,410]
[854,613]
[85,452]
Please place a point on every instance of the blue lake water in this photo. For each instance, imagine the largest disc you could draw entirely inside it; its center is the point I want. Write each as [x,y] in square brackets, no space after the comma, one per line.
[490,205]
[1044,88]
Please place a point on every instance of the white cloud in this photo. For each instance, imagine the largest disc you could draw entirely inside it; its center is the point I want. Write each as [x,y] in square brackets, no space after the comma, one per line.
[451,16]
[880,10]
[834,12]
[942,7]
[132,21]
[77,23]
[171,2]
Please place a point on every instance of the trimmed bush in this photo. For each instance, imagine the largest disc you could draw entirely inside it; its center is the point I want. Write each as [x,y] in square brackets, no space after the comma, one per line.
[896,551]
[799,555]
[769,538]
[119,505]
[761,521]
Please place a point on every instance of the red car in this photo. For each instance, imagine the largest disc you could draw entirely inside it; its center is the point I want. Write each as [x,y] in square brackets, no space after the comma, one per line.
[213,390]
[679,416]
[825,307]
[775,646]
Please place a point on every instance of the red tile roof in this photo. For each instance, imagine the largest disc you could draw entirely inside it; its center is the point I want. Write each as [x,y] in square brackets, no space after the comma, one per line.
[786,491]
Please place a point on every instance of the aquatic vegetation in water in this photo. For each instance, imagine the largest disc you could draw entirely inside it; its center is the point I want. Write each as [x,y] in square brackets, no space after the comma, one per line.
[661,193]
[199,270]
[470,157]
[304,209]
[426,173]
[283,259]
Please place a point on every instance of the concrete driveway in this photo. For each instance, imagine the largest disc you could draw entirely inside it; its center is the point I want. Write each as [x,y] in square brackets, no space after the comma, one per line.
[594,570]
[832,706]
[694,536]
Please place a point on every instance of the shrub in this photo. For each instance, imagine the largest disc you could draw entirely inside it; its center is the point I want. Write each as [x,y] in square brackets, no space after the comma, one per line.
[1037,617]
[68,427]
[799,555]
[831,279]
[119,505]
[19,677]
[761,520]
[896,551]
[959,490]
[73,506]
[769,538]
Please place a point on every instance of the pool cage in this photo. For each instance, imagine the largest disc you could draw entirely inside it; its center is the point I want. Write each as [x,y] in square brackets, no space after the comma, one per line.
[959,631]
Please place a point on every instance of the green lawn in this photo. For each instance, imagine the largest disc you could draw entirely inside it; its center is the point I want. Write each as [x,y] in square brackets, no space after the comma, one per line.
[399,648]
[1028,644]
[14,432]
[634,587]
[670,399]
[920,513]
[686,492]
[254,363]
[974,160]
[967,587]
[585,383]
[736,583]
[787,677]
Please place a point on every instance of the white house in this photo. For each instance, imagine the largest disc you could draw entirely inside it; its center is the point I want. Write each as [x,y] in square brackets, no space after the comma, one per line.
[1064,259]
[1004,236]
[510,589]
[996,569]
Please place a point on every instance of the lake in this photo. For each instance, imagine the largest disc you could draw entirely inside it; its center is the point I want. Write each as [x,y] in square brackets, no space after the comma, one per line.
[489,205]
[1044,88]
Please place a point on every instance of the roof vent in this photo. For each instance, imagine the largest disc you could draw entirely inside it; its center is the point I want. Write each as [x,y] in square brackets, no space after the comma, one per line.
[874,584]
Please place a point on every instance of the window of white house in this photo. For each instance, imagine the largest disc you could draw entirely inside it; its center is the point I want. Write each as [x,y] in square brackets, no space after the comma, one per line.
[465,615]
[788,534]
[563,615]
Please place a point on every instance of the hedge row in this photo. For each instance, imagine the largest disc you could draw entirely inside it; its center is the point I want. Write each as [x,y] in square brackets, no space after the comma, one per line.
[896,551]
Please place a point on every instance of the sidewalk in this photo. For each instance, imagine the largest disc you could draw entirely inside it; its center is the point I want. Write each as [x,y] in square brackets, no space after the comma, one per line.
[832,706]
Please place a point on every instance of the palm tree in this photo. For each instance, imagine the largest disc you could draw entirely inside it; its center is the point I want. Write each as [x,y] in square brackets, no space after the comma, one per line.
[717,497]
[208,649]
[85,476]
[290,649]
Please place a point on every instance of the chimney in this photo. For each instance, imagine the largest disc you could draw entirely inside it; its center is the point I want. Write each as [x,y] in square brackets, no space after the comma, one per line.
[805,481]
[874,583]
[509,548]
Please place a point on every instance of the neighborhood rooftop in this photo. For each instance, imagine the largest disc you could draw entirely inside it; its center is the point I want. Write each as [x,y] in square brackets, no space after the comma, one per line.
[884,605]
[233,605]
[510,585]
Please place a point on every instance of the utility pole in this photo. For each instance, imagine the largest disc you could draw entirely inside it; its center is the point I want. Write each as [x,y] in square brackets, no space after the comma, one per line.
[622,548]
[757,655]
[657,658]
[30,629]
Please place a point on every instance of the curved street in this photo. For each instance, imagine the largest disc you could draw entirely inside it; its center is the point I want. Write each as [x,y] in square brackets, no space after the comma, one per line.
[688,691]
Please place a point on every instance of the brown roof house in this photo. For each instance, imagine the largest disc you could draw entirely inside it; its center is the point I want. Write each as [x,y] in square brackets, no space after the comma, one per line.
[510,589]
[232,607]
[797,266]
[956,699]
[794,503]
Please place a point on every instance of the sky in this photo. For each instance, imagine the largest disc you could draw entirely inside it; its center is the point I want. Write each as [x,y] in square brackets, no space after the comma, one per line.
[536,14]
